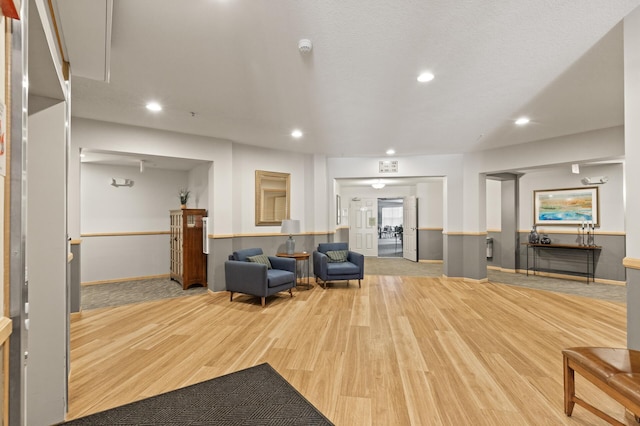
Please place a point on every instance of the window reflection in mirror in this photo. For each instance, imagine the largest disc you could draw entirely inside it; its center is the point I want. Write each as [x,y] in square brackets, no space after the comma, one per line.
[272,198]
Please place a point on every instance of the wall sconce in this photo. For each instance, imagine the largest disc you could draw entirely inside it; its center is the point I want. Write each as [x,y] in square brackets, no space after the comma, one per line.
[600,180]
[117,182]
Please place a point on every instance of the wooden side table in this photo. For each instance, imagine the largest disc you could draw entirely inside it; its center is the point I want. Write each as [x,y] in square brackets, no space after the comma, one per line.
[301,257]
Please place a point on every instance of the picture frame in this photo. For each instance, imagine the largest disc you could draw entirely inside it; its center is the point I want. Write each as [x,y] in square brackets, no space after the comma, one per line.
[567,206]
[338,210]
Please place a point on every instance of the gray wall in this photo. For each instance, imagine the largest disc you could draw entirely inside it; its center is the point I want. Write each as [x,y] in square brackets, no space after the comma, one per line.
[430,244]
[608,261]
[496,259]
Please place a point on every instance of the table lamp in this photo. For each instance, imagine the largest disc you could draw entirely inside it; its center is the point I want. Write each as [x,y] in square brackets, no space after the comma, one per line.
[290,226]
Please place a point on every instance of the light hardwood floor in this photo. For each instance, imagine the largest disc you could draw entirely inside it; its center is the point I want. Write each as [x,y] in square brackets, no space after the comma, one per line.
[398,351]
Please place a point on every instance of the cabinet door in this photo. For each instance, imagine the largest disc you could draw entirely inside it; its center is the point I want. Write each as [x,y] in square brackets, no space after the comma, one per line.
[193,258]
[175,245]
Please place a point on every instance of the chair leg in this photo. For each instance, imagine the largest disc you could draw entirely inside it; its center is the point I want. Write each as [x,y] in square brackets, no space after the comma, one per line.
[262,299]
[359,285]
[230,296]
[569,387]
[291,292]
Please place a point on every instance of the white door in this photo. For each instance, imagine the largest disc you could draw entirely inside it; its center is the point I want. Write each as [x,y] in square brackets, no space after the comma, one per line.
[410,229]
[363,226]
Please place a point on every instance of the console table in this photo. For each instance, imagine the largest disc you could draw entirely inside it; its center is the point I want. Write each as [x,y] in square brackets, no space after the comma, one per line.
[300,258]
[590,252]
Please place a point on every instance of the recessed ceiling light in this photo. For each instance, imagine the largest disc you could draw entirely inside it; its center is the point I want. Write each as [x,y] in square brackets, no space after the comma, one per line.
[522,121]
[391,151]
[297,133]
[154,106]
[425,76]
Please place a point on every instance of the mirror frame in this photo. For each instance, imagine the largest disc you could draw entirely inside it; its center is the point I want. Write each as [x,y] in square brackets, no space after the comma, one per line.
[261,176]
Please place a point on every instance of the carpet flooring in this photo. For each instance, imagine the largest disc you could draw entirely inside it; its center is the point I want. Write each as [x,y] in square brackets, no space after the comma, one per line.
[254,396]
[124,293]
[116,294]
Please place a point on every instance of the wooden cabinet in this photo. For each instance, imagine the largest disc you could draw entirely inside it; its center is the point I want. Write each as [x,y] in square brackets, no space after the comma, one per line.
[188,262]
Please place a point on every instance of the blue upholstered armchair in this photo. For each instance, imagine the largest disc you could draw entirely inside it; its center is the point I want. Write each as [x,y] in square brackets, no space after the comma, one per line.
[249,271]
[334,262]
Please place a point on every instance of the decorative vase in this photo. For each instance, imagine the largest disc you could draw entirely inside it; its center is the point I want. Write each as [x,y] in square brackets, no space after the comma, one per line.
[534,238]
[290,245]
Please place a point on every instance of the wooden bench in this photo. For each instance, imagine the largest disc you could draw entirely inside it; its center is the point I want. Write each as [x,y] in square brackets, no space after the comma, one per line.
[615,371]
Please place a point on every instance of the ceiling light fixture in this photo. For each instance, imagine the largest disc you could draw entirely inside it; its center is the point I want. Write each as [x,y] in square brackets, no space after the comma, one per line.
[297,133]
[154,106]
[391,151]
[378,184]
[522,121]
[425,76]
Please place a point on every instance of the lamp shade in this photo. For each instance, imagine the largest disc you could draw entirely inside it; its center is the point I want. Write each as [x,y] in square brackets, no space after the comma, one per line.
[290,226]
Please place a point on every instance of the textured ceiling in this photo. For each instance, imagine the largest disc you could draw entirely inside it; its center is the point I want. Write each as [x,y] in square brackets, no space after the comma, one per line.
[231,69]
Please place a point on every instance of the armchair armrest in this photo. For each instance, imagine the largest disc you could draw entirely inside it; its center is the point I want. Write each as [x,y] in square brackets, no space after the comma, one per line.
[283,263]
[358,260]
[320,261]
[246,277]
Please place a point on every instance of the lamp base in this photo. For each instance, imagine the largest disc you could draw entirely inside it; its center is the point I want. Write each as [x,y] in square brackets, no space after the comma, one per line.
[290,245]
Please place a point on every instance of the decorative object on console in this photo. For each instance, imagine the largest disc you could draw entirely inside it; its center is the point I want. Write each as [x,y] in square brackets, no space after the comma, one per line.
[545,239]
[184,197]
[290,226]
[533,236]
[570,206]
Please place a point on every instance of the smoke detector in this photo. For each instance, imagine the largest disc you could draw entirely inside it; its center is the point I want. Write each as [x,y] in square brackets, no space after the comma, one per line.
[305,46]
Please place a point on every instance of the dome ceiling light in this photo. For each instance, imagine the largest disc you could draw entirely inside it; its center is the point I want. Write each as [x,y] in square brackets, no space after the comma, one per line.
[378,184]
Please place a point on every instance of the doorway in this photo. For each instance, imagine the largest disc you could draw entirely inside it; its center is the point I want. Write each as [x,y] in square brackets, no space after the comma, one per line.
[390,227]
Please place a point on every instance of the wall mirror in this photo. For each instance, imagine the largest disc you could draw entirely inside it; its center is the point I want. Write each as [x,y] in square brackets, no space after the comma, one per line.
[272,198]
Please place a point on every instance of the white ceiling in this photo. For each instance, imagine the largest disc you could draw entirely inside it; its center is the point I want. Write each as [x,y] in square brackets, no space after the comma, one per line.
[231,69]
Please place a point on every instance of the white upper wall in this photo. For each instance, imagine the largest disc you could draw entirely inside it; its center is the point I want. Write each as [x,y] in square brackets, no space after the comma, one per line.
[232,175]
[142,207]
[611,194]
[246,160]
[98,135]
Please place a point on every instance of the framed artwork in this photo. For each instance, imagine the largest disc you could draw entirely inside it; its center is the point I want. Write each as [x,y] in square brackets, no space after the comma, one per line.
[338,210]
[570,206]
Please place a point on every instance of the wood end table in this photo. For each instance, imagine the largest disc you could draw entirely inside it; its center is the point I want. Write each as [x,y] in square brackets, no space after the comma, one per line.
[300,257]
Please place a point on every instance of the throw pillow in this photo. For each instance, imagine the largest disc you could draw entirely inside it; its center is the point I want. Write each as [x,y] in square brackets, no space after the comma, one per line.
[260,258]
[337,256]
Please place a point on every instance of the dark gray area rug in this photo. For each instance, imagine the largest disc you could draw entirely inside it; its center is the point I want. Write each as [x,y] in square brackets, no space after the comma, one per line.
[255,396]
